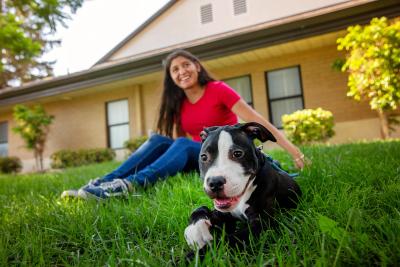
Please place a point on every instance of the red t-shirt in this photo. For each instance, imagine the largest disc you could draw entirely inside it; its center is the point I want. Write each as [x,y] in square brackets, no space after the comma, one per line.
[212,109]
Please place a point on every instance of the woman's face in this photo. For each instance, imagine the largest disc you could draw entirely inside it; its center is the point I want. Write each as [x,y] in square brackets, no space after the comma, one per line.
[184,72]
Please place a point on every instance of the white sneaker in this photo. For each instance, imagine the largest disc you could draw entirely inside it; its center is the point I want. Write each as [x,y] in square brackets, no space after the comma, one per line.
[70,193]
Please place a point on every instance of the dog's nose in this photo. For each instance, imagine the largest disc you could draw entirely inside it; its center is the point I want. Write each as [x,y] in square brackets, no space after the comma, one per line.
[216,183]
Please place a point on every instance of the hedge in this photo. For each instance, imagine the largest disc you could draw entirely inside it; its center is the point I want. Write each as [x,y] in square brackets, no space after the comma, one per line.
[135,143]
[10,165]
[308,126]
[73,158]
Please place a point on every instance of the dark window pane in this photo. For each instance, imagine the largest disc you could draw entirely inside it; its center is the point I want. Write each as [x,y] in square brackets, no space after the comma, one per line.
[118,123]
[285,106]
[118,135]
[3,149]
[3,132]
[117,112]
[242,85]
[285,94]
[283,83]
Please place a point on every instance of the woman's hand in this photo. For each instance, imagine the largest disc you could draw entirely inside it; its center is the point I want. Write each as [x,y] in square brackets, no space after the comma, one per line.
[300,160]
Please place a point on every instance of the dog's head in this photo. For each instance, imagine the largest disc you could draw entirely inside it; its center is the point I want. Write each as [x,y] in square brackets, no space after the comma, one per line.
[229,161]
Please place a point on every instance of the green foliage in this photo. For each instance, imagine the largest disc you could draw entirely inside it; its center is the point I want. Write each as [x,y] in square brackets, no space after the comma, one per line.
[337,64]
[330,227]
[10,165]
[373,62]
[135,143]
[24,37]
[73,158]
[308,126]
[33,126]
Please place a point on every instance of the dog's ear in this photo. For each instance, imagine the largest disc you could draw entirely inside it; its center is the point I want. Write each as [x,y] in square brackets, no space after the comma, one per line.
[206,131]
[255,130]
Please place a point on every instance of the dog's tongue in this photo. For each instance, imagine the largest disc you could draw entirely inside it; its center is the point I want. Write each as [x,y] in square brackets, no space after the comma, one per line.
[224,203]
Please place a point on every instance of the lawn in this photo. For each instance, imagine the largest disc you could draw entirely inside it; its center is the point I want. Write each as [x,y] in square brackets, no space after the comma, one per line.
[349,215]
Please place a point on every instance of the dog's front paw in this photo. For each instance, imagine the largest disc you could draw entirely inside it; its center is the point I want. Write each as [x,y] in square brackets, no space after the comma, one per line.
[197,234]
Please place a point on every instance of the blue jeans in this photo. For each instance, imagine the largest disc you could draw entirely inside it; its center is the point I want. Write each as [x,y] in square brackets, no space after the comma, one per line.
[157,158]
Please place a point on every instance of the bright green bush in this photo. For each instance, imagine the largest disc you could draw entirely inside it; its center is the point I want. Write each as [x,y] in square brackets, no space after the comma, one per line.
[308,126]
[373,64]
[10,165]
[135,143]
[72,158]
[32,124]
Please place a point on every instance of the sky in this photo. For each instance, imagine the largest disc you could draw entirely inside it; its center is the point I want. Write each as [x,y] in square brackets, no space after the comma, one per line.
[96,28]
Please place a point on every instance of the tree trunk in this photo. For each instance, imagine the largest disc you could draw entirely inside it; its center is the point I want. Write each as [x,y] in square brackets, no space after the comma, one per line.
[383,118]
[35,153]
[39,152]
[41,161]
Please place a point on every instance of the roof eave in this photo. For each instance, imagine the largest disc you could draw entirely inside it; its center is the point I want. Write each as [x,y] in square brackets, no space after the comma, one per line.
[208,50]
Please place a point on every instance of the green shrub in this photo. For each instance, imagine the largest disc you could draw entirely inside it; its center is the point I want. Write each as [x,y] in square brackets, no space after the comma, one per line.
[10,165]
[135,143]
[72,158]
[308,126]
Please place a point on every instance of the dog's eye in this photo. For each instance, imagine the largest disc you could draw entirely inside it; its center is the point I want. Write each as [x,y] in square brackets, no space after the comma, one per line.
[238,154]
[203,157]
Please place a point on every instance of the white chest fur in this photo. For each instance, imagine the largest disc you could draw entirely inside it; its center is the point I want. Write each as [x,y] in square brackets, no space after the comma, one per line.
[241,207]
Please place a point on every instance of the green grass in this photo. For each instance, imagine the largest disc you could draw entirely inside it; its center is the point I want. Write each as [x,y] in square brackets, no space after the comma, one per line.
[349,215]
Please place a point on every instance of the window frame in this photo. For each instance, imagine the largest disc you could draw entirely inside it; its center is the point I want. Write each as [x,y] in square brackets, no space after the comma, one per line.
[269,100]
[251,87]
[108,127]
[7,143]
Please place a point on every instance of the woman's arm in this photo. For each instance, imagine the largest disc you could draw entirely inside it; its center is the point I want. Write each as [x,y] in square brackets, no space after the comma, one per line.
[248,114]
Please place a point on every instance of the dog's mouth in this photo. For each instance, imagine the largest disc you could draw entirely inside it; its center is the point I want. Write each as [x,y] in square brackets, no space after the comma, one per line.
[224,203]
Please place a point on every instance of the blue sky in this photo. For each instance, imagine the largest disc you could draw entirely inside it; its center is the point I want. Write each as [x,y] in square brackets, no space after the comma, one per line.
[96,28]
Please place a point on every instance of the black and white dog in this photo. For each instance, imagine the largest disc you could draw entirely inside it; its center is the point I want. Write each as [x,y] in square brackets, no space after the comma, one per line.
[242,183]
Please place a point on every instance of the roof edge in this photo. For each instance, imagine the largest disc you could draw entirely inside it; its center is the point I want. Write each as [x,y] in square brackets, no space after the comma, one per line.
[205,51]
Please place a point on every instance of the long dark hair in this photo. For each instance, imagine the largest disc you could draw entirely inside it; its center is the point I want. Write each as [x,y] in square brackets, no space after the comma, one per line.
[173,96]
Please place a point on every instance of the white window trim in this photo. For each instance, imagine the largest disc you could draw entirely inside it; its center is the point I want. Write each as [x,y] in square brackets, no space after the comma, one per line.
[109,126]
[269,100]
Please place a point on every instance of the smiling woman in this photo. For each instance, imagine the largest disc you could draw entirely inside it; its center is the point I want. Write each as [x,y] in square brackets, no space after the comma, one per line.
[185,74]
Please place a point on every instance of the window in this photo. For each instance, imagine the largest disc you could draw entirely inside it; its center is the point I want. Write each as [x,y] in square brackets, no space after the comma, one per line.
[242,85]
[3,138]
[285,94]
[239,7]
[206,15]
[117,123]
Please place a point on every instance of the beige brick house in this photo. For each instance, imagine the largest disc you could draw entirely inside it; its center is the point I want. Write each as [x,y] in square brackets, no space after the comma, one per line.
[278,55]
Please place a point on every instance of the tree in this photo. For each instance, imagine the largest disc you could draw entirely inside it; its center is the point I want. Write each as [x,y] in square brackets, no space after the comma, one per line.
[373,64]
[33,126]
[25,29]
